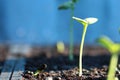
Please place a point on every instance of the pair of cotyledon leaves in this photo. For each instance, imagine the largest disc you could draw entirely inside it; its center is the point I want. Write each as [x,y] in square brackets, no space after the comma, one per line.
[114,48]
[67,5]
[86,21]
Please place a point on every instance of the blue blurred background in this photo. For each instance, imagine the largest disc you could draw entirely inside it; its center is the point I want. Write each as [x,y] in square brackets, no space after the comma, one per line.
[40,21]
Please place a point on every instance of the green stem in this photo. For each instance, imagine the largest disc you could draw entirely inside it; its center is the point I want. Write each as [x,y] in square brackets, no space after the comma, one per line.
[81,49]
[112,67]
[71,36]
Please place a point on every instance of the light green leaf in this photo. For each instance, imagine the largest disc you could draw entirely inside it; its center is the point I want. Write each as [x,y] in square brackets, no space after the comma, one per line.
[82,21]
[115,49]
[91,20]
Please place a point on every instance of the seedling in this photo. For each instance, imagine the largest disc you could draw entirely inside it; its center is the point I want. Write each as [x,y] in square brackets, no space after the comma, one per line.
[70,5]
[114,49]
[85,23]
[40,69]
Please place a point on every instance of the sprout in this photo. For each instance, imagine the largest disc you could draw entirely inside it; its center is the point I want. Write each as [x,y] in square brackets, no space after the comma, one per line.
[114,49]
[70,5]
[40,69]
[85,23]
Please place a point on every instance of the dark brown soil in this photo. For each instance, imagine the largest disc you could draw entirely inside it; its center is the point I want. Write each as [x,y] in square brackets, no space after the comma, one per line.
[59,67]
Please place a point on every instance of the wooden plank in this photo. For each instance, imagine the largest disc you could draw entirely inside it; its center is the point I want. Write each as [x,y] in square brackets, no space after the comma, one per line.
[8,68]
[14,65]
[19,69]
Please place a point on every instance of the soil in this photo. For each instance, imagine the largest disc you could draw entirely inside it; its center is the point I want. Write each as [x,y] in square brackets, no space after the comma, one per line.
[59,67]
